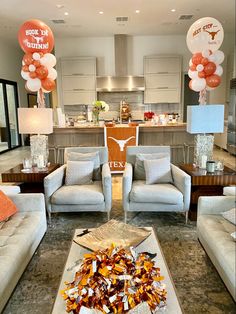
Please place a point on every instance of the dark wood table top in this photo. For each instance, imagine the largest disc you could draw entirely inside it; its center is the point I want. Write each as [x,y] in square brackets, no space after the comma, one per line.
[33,175]
[202,177]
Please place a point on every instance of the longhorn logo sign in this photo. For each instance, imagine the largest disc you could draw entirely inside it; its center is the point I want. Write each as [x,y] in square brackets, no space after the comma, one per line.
[121,143]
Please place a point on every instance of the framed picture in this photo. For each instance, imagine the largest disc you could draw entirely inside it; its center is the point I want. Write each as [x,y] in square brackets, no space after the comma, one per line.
[32,100]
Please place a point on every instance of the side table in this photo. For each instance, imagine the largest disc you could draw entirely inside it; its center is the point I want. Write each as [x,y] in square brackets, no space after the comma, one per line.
[206,184]
[30,181]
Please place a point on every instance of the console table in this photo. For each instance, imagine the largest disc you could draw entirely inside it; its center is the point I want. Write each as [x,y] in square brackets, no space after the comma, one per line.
[206,184]
[30,181]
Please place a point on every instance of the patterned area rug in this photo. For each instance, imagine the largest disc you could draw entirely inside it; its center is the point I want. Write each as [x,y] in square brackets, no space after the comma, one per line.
[198,285]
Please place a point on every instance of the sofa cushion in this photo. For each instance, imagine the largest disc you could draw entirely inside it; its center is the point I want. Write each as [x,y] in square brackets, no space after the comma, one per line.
[158,171]
[7,207]
[156,193]
[79,194]
[230,215]
[93,156]
[79,172]
[139,171]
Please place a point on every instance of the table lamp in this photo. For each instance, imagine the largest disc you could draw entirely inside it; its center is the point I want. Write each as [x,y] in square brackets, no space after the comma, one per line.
[202,120]
[36,121]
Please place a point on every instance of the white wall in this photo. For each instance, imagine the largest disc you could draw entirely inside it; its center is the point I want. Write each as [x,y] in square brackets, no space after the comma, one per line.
[138,47]
[10,66]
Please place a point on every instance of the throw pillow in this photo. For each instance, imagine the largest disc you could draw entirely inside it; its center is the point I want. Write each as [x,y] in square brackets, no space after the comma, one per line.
[139,171]
[230,215]
[7,207]
[79,172]
[94,156]
[158,171]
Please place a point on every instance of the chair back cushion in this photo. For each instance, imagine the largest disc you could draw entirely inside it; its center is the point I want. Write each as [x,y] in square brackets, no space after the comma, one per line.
[7,207]
[103,152]
[93,156]
[79,172]
[158,171]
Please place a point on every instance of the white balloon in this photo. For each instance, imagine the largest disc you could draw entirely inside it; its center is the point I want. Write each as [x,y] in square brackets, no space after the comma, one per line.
[212,58]
[206,53]
[23,62]
[198,84]
[219,56]
[52,73]
[33,84]
[32,68]
[192,74]
[45,91]
[199,67]
[205,33]
[190,62]
[49,60]
[25,75]
[219,70]
[36,56]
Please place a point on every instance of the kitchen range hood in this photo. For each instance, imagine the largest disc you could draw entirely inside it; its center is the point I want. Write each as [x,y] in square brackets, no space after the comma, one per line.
[121,82]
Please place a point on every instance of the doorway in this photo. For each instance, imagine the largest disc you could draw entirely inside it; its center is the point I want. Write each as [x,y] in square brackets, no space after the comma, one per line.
[190,96]
[9,134]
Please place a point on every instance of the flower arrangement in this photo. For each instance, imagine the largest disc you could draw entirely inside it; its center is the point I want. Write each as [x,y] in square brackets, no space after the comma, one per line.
[99,106]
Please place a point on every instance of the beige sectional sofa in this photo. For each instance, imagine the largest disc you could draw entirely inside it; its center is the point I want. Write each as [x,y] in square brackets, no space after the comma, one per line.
[19,238]
[214,234]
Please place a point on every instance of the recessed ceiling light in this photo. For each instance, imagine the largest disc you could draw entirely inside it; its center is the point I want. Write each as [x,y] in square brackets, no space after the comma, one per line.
[137,11]
[66,13]
[173,10]
[101,12]
[59,6]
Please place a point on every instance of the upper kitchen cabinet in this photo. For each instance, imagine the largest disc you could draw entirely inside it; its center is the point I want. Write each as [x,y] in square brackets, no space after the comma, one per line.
[162,79]
[78,80]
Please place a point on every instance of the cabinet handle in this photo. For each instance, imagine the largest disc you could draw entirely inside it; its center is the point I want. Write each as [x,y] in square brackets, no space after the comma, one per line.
[78,89]
[162,87]
[77,74]
[162,72]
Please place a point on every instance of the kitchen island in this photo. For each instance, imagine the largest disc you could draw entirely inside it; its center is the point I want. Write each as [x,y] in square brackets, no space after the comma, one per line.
[87,134]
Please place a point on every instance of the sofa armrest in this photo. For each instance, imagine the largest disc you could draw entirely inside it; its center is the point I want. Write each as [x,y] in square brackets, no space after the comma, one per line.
[29,202]
[53,182]
[214,205]
[107,185]
[10,189]
[183,182]
[127,184]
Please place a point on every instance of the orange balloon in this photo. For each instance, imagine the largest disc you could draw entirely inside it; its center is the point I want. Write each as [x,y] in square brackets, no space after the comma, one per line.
[32,75]
[48,84]
[42,72]
[36,63]
[192,67]
[35,36]
[213,80]
[25,68]
[204,61]
[202,74]
[197,58]
[28,59]
[210,68]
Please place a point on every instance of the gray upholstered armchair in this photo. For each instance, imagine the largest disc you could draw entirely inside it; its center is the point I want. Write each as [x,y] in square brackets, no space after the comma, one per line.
[162,197]
[78,198]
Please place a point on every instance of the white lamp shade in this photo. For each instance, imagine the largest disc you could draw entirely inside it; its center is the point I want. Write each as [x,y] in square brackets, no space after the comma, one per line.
[205,119]
[35,120]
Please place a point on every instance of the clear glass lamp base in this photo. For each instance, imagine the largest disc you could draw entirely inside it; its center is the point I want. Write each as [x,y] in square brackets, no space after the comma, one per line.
[203,149]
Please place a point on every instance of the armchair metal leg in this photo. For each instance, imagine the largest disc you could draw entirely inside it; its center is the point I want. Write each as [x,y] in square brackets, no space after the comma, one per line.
[49,218]
[125,216]
[108,215]
[186,217]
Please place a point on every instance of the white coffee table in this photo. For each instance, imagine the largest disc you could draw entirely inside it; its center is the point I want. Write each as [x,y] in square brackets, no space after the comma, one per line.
[150,245]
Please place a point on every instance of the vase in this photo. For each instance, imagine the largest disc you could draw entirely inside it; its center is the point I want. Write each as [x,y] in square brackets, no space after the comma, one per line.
[96,119]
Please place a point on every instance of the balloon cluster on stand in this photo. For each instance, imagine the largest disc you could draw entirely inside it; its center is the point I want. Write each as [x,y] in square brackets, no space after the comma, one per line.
[204,39]
[37,41]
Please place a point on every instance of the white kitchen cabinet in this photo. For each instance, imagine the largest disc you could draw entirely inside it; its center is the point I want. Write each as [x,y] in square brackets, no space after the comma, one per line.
[162,79]
[78,80]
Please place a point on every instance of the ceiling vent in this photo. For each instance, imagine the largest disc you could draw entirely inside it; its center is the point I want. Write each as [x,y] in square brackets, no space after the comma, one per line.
[122,19]
[58,21]
[185,17]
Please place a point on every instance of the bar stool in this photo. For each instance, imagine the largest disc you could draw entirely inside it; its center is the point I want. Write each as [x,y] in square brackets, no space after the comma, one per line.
[61,151]
[53,149]
[182,148]
[187,151]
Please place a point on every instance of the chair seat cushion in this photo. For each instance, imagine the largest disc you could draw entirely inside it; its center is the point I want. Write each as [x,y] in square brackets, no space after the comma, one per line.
[79,194]
[155,193]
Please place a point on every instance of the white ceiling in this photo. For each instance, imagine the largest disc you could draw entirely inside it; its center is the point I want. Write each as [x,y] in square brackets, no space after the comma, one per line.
[155,17]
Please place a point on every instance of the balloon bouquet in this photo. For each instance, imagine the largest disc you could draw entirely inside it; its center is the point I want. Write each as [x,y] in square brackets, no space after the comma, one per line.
[36,40]
[204,38]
